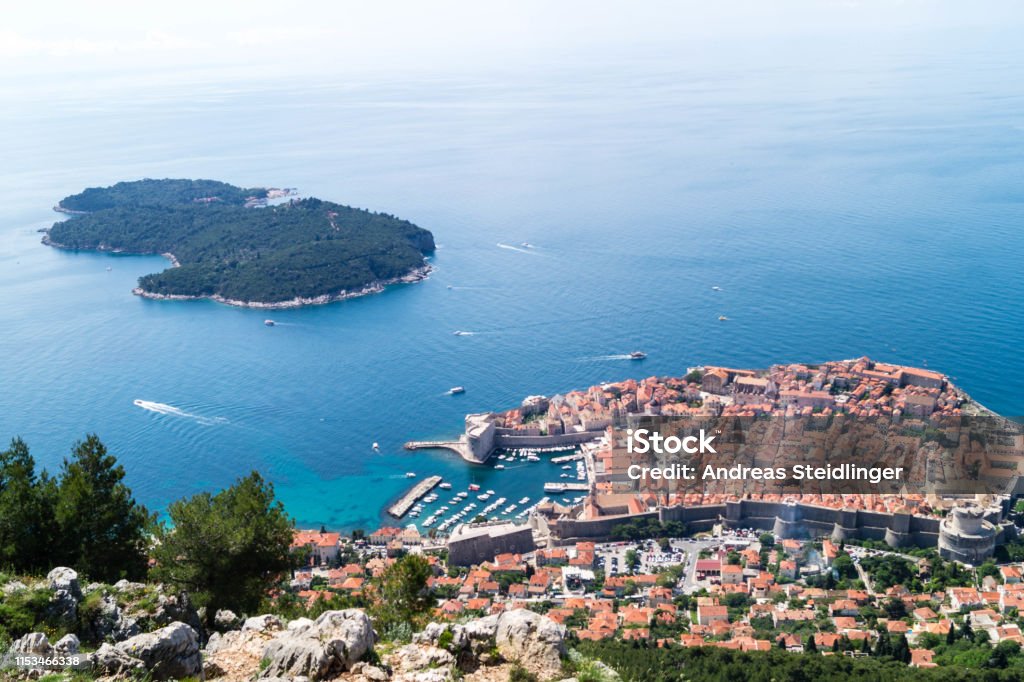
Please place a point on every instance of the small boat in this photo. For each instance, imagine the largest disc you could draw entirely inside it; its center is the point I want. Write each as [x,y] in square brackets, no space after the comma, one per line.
[410,474]
[459,332]
[455,390]
[445,486]
[109,268]
[474,487]
[525,500]
[499,467]
[449,286]
[637,355]
[376,446]
[716,288]
[269,323]
[722,318]
[527,245]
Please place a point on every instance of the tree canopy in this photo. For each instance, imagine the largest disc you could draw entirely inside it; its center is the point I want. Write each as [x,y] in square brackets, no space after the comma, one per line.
[104,532]
[226,549]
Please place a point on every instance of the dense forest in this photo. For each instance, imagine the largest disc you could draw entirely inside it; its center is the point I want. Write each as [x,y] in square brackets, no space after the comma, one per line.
[302,249]
[150,192]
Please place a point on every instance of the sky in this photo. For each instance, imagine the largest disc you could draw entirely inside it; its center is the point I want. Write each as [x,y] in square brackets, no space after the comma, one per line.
[52,42]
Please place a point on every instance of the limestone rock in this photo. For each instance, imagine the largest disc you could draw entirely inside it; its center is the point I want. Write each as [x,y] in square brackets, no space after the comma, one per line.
[265,623]
[68,644]
[33,643]
[332,644]
[536,641]
[110,661]
[225,619]
[170,652]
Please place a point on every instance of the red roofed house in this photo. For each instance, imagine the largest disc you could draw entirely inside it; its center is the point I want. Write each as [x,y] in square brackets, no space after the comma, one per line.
[323,547]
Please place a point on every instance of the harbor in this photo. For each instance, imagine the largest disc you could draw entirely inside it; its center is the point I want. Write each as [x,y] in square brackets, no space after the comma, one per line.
[401,508]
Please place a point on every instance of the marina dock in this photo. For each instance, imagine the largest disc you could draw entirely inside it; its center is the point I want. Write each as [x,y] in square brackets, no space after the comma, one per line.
[567,458]
[566,487]
[405,503]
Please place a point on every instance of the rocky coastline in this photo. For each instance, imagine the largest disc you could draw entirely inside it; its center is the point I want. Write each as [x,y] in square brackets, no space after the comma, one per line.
[416,275]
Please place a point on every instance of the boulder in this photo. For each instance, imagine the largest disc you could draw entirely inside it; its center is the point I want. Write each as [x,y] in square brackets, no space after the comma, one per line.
[63,578]
[225,619]
[332,644]
[110,661]
[66,593]
[128,586]
[33,643]
[167,653]
[265,623]
[414,657]
[536,641]
[67,645]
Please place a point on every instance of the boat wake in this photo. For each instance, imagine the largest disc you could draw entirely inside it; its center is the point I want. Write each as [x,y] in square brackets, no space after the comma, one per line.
[172,411]
[607,358]
[510,247]
[464,333]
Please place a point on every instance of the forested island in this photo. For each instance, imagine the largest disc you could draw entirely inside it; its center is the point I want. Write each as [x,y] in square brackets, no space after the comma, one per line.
[226,243]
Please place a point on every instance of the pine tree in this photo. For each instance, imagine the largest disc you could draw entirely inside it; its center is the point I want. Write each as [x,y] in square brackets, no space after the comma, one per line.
[28,527]
[227,550]
[104,533]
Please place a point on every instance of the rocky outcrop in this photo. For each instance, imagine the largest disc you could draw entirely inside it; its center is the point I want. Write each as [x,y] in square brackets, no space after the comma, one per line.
[266,623]
[332,644]
[106,621]
[225,620]
[178,608]
[110,661]
[67,645]
[66,592]
[33,643]
[419,663]
[171,652]
[535,641]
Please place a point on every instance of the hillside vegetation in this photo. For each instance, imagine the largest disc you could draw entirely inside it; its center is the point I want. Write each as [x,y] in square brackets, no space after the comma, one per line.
[305,249]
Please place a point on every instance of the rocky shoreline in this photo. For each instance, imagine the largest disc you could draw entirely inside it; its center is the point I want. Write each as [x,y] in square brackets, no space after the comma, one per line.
[417,275]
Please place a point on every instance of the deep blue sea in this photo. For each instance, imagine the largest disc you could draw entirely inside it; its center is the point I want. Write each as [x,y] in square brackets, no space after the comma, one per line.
[861,200]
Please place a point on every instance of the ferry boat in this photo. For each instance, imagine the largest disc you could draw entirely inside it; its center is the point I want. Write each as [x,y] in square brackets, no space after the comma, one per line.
[637,355]
[269,323]
[455,390]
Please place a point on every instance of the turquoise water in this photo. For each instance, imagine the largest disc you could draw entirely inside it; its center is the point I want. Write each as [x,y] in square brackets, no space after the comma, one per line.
[858,203]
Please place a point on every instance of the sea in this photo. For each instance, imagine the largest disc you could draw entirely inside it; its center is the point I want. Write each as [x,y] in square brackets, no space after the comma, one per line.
[847,200]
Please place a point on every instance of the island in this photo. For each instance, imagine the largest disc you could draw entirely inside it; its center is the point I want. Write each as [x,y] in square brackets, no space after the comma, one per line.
[235,246]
